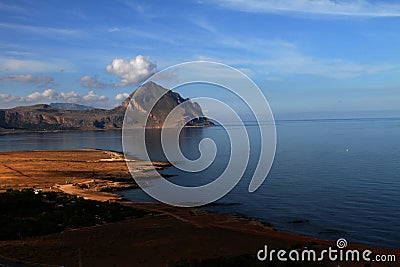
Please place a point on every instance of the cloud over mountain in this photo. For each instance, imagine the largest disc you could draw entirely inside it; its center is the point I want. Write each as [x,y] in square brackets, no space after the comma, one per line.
[7,98]
[132,71]
[91,96]
[49,95]
[120,97]
[70,97]
[46,95]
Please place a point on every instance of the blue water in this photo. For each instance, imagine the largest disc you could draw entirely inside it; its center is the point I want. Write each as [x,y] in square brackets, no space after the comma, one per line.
[330,178]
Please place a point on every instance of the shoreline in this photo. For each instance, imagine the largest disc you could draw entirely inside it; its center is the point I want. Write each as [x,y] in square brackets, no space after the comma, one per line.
[4,131]
[88,173]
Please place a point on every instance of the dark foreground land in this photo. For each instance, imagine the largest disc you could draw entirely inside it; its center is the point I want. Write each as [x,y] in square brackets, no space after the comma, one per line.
[52,228]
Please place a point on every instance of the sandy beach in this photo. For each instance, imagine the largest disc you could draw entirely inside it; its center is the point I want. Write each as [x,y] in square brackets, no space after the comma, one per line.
[163,237]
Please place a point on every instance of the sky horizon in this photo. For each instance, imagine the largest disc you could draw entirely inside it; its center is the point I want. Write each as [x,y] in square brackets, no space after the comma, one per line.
[317,57]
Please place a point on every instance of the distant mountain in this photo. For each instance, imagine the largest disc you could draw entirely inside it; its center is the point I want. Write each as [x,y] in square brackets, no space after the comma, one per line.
[48,118]
[70,106]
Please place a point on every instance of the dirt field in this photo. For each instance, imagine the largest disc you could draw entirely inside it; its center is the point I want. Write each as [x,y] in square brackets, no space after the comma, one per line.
[86,173]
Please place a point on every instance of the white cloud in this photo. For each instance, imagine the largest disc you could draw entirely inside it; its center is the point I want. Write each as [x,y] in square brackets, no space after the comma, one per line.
[28,78]
[362,8]
[92,97]
[36,97]
[33,66]
[91,82]
[7,98]
[120,97]
[287,59]
[70,97]
[114,29]
[13,8]
[296,63]
[144,10]
[46,95]
[267,46]
[143,34]
[204,24]
[132,71]
[16,53]
[48,31]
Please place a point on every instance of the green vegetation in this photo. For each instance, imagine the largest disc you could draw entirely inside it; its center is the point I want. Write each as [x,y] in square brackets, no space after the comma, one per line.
[24,213]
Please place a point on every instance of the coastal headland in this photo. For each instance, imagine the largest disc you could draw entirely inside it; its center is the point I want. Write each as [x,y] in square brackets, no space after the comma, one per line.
[165,236]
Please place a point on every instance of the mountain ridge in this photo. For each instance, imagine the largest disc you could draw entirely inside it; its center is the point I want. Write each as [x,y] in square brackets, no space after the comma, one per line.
[43,117]
[70,106]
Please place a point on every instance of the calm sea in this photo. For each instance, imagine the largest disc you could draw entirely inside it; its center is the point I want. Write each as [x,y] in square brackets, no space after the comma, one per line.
[330,179]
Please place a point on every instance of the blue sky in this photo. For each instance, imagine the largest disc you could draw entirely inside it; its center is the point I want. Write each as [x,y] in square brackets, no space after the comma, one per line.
[339,57]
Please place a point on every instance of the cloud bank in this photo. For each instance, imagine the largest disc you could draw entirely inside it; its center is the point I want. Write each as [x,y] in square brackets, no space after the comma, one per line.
[360,8]
[32,66]
[50,95]
[133,71]
[29,78]
[46,95]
